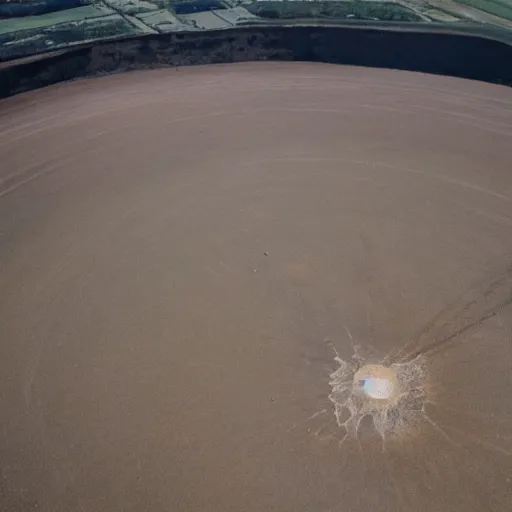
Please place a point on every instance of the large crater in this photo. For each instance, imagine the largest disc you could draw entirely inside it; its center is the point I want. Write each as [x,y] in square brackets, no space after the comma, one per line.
[256,287]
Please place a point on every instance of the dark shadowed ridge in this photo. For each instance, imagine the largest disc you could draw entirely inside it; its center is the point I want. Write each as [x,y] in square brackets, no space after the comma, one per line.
[416,48]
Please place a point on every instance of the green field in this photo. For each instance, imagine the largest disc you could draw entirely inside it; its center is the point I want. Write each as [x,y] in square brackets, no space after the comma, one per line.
[382,11]
[54,18]
[500,8]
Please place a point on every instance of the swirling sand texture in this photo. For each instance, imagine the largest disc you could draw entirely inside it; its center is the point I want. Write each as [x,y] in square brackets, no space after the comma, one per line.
[194,265]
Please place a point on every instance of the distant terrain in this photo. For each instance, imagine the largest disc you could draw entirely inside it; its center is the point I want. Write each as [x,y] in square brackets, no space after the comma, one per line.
[35,26]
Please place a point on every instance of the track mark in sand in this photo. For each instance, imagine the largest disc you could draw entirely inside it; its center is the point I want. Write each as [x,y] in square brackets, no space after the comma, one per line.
[480,304]
[373,165]
[461,434]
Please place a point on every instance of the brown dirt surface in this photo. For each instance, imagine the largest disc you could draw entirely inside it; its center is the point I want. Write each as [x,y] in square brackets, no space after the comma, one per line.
[194,265]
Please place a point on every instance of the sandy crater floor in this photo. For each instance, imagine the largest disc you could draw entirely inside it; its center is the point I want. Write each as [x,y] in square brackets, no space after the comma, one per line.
[197,265]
